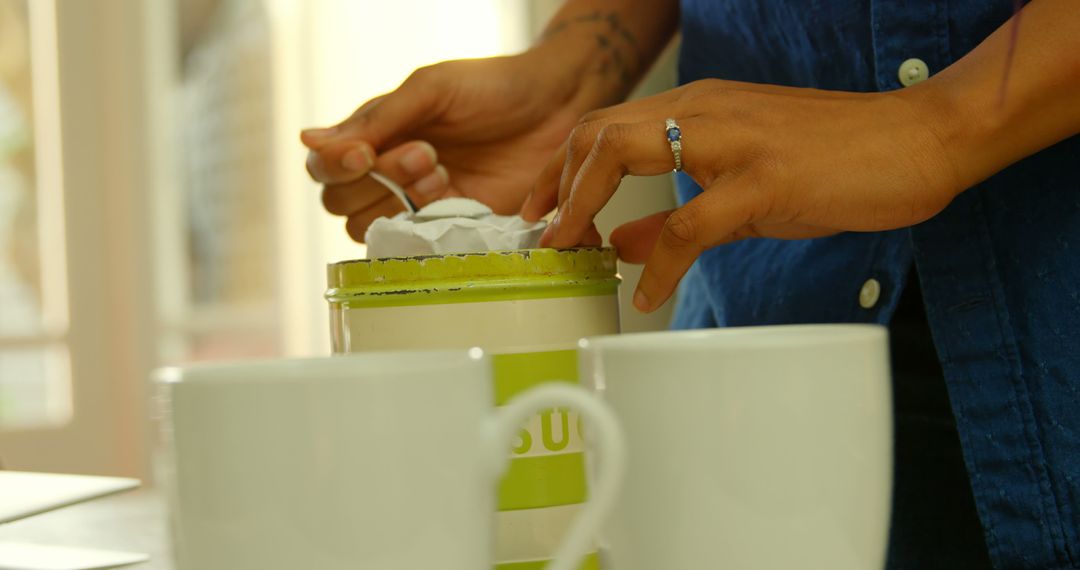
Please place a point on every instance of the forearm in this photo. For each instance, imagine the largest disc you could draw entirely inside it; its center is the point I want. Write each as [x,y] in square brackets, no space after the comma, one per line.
[989,123]
[610,43]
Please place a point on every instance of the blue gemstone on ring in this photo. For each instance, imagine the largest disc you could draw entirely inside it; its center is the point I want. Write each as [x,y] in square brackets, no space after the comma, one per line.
[674,134]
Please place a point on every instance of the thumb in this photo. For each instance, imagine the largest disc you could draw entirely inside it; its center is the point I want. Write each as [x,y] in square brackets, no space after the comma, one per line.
[635,240]
[392,116]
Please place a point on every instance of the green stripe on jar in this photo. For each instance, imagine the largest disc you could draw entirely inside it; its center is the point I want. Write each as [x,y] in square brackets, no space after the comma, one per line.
[473,277]
[517,372]
[546,480]
[543,481]
[590,562]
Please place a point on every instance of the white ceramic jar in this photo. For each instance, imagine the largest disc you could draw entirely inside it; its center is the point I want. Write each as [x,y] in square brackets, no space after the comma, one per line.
[528,308]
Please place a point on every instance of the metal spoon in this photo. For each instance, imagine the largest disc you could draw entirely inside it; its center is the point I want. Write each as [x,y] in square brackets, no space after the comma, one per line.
[414,212]
[396,190]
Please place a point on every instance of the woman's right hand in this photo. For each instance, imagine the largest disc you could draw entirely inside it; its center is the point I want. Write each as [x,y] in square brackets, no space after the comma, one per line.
[480,128]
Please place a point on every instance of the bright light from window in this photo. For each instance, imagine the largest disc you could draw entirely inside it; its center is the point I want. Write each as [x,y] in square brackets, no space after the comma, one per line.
[330,56]
[362,49]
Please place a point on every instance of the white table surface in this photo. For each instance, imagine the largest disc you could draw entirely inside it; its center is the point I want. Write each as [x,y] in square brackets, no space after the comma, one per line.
[134,522]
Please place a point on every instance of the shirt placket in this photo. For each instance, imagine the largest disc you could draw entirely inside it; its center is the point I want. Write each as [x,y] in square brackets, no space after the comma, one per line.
[968,316]
[911,41]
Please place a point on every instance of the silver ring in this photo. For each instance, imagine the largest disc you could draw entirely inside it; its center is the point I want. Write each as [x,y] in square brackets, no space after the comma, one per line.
[674,137]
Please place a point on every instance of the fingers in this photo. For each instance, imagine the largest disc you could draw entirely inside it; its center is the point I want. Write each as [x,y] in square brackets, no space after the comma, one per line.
[712,218]
[649,110]
[348,199]
[412,166]
[415,164]
[544,196]
[358,223]
[592,237]
[410,106]
[370,104]
[387,117]
[634,241]
[617,150]
[316,138]
[553,185]
[346,152]
[340,161]
[637,241]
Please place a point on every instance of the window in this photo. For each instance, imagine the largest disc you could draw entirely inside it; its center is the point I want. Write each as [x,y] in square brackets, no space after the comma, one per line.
[174,221]
[227,302]
[35,388]
[249,258]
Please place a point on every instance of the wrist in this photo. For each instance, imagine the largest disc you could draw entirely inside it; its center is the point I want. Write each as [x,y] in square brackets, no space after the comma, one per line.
[579,64]
[968,126]
[603,52]
[1011,96]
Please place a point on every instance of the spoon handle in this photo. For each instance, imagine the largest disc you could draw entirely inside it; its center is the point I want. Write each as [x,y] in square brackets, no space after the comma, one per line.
[395,190]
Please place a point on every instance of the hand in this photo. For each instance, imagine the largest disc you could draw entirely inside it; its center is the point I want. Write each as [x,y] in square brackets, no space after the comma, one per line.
[773,161]
[477,128]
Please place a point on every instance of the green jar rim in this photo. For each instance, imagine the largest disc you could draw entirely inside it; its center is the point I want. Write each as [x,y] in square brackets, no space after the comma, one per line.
[473,277]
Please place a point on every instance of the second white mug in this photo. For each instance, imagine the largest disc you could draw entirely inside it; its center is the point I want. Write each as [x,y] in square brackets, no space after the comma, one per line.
[749,448]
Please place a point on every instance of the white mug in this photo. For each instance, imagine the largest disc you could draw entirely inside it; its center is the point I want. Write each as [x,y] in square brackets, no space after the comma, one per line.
[749,448]
[382,461]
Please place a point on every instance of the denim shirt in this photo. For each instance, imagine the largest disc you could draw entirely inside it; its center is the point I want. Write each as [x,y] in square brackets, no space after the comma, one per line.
[999,268]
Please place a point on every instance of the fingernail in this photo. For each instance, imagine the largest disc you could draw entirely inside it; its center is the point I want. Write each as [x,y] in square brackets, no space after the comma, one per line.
[419,159]
[545,238]
[319,133]
[434,182]
[358,159]
[315,165]
[641,302]
[524,211]
[553,226]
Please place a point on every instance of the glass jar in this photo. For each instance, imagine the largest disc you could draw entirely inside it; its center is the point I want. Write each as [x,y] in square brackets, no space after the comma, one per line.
[526,307]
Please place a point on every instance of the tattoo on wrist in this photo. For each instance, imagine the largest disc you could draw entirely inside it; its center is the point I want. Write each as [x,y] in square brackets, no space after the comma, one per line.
[618,48]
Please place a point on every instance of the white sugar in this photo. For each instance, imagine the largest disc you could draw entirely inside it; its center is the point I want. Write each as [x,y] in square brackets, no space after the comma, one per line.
[454,208]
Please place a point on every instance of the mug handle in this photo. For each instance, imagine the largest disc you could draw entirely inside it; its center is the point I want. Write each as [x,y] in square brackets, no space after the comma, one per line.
[611,465]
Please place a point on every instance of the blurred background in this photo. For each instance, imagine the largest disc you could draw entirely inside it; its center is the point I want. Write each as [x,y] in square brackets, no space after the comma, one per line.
[154,207]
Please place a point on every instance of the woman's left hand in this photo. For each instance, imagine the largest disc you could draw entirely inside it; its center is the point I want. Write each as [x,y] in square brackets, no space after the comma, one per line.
[775,162]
